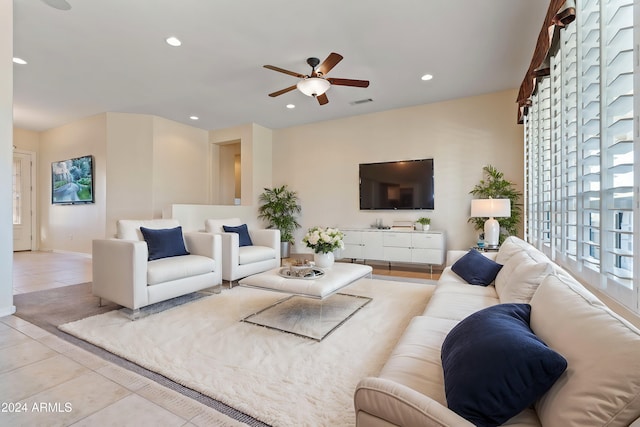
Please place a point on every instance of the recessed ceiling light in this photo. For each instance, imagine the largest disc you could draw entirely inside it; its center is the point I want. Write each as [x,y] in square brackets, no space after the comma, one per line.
[173,41]
[290,106]
[19,61]
[427,77]
[194,117]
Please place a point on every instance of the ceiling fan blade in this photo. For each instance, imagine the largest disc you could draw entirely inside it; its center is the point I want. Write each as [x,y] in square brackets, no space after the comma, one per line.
[280,92]
[331,61]
[322,99]
[349,82]
[282,70]
[58,4]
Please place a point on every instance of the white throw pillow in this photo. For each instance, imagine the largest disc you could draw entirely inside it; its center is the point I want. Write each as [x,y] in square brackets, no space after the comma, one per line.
[524,281]
[508,249]
[504,275]
[215,225]
[601,385]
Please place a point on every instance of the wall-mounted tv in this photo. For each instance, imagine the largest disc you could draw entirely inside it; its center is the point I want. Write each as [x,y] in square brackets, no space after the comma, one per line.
[406,184]
[72,181]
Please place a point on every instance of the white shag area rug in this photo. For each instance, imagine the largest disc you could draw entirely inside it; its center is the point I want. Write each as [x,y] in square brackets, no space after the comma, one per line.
[278,378]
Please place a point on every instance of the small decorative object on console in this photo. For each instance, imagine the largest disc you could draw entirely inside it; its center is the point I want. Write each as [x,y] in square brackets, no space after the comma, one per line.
[307,273]
[300,268]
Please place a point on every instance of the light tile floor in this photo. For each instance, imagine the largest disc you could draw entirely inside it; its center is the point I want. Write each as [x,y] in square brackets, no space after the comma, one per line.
[46,381]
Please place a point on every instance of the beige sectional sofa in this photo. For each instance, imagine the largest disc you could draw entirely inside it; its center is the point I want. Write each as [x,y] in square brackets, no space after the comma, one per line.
[601,385]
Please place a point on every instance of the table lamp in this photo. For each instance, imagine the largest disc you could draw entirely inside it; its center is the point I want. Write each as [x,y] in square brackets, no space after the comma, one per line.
[482,208]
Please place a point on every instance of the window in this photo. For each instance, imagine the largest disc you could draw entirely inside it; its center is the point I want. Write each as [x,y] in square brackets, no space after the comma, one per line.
[582,205]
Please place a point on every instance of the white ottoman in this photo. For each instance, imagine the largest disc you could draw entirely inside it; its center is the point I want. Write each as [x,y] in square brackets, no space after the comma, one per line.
[337,276]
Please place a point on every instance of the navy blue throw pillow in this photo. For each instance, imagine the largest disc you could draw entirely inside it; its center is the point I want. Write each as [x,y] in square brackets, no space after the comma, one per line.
[476,268]
[495,366]
[243,234]
[164,243]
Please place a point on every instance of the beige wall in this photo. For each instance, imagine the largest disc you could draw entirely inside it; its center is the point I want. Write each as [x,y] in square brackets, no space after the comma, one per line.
[145,163]
[230,154]
[180,164]
[6,158]
[26,140]
[129,168]
[320,160]
[142,164]
[72,227]
[256,145]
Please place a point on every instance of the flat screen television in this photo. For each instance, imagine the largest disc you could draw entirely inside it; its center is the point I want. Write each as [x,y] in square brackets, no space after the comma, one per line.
[406,184]
[72,181]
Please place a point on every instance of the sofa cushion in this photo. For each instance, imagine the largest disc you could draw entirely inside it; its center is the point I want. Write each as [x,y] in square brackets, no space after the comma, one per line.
[415,359]
[509,248]
[243,234]
[519,278]
[476,269]
[495,366]
[456,305]
[450,282]
[251,254]
[602,383]
[164,243]
[174,268]
[216,225]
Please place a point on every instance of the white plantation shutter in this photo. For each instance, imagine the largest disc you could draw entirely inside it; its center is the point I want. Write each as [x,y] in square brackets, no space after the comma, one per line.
[582,195]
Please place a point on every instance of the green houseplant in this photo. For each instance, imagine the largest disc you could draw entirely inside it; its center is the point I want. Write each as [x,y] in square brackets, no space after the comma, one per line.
[495,186]
[279,207]
[424,223]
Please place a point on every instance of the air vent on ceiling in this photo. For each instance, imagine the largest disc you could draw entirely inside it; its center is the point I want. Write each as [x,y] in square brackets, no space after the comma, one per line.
[361,101]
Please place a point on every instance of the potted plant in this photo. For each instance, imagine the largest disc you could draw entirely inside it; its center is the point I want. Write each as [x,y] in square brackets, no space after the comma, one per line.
[423,223]
[279,207]
[324,241]
[495,186]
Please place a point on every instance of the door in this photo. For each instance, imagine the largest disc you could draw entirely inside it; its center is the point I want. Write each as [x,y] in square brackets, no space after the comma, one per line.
[22,200]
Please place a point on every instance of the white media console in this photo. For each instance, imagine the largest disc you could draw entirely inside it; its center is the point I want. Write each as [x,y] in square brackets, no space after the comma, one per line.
[395,245]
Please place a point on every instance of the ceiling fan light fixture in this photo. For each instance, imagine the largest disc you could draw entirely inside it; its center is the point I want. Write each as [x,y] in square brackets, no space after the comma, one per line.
[313,86]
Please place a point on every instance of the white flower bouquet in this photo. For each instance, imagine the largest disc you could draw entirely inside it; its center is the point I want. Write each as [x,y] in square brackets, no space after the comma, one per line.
[324,240]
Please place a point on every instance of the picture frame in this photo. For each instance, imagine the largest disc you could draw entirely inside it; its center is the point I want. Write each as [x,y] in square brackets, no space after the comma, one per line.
[72,181]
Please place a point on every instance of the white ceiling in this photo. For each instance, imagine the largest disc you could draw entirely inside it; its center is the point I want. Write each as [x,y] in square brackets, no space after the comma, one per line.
[110,55]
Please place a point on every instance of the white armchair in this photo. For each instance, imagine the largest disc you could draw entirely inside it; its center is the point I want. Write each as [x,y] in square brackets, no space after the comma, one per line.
[242,261]
[123,274]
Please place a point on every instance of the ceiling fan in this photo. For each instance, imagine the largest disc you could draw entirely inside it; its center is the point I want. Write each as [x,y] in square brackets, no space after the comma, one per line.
[316,84]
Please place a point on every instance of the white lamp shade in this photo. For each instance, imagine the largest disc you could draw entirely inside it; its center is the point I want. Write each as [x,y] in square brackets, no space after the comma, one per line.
[313,86]
[490,208]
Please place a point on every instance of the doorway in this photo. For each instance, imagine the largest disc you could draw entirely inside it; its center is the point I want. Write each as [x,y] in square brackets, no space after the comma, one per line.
[23,200]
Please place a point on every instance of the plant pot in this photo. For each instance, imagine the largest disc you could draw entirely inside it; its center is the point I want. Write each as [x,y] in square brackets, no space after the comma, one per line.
[284,249]
[418,226]
[426,227]
[324,260]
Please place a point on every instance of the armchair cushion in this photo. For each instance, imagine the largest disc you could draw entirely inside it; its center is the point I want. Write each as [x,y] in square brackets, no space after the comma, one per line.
[251,254]
[164,243]
[173,268]
[243,233]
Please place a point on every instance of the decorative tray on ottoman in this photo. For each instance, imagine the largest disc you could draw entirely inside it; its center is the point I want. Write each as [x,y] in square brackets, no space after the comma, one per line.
[307,272]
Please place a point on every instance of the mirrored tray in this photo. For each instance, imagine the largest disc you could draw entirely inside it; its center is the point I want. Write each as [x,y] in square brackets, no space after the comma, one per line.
[297,273]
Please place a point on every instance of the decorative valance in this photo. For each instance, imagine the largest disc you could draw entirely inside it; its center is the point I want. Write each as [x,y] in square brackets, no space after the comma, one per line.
[559,14]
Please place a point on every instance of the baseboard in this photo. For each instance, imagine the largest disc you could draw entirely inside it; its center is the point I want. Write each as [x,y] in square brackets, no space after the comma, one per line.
[7,311]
